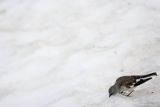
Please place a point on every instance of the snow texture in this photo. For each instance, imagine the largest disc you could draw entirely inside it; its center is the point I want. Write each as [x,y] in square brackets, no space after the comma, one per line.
[67,53]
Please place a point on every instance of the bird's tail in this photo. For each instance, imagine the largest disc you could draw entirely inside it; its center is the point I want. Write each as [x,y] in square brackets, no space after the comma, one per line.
[145,76]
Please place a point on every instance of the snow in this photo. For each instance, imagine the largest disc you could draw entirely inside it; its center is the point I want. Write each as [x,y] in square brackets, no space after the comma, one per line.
[67,53]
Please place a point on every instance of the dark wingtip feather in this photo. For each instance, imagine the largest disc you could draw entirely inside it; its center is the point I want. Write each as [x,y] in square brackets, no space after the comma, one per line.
[154,73]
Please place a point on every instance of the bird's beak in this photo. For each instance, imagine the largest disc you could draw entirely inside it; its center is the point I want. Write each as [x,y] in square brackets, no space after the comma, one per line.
[110,95]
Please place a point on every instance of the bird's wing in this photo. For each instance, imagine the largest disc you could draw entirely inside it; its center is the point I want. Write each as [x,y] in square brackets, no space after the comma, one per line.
[141,81]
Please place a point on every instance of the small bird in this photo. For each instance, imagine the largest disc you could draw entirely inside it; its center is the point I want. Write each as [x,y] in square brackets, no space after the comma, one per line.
[125,85]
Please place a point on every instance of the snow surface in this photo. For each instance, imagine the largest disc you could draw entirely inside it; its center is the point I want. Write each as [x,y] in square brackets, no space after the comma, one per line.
[67,53]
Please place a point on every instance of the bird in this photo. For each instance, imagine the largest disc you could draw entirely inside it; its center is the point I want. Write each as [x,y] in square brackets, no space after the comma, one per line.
[125,85]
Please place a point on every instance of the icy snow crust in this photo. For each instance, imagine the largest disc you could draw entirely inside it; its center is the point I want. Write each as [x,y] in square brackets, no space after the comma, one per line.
[67,53]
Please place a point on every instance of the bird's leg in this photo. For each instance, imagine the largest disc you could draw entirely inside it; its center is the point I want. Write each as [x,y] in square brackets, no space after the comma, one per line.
[123,93]
[130,93]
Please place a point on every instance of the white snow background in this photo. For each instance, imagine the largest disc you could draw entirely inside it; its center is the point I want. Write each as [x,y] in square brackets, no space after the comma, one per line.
[67,53]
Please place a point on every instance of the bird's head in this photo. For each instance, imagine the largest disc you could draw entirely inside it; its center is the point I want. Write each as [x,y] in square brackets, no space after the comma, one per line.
[112,91]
